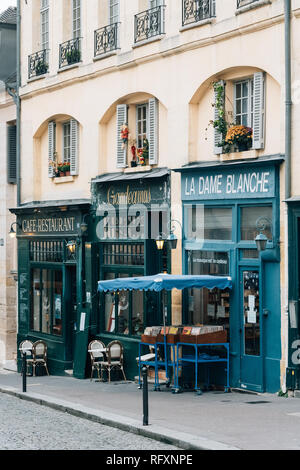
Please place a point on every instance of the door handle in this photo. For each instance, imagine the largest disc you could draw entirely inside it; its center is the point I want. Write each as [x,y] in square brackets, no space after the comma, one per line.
[266,312]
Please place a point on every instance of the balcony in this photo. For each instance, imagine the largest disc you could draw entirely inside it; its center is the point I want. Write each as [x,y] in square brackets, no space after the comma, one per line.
[106,39]
[244,3]
[194,11]
[69,53]
[38,64]
[149,23]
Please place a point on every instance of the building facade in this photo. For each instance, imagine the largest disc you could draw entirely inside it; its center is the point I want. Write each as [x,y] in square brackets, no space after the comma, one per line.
[8,247]
[115,96]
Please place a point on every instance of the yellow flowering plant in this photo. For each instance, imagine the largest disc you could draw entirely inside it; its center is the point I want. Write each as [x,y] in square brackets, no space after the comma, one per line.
[240,135]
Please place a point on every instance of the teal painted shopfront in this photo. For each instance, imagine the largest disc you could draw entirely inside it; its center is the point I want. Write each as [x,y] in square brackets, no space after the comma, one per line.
[51,272]
[224,206]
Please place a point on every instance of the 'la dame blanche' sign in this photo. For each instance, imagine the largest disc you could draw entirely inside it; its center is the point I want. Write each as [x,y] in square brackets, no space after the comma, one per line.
[250,183]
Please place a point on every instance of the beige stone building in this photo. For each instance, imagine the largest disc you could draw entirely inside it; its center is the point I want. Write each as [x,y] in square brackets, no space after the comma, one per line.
[8,247]
[166,69]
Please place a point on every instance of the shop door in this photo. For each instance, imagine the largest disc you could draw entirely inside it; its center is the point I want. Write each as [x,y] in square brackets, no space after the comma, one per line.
[251,370]
[71,307]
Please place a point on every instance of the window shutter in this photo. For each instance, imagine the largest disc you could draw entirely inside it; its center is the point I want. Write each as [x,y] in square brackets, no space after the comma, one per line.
[218,137]
[51,147]
[258,110]
[74,157]
[153,131]
[121,150]
[12,154]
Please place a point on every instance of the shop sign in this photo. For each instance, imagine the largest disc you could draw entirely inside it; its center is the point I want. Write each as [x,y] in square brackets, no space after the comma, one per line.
[250,183]
[32,225]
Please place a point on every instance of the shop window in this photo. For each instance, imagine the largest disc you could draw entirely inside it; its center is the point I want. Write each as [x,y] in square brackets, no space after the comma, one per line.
[49,251]
[249,218]
[123,254]
[251,313]
[209,223]
[122,226]
[124,310]
[46,308]
[208,307]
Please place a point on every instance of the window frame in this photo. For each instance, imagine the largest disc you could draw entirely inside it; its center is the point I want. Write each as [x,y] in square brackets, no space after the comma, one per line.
[76,19]
[44,22]
[113,11]
[142,106]
[65,125]
[250,101]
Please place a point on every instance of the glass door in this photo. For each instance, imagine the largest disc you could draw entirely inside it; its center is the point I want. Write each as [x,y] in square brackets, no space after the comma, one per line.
[251,330]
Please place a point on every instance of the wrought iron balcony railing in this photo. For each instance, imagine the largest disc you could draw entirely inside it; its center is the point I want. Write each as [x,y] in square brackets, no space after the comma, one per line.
[197,10]
[149,23]
[244,3]
[106,39]
[38,64]
[69,52]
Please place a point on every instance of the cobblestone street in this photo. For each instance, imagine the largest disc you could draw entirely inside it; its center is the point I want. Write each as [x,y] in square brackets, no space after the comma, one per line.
[27,426]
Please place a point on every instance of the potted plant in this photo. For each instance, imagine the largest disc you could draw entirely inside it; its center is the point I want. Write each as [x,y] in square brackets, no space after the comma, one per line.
[41,67]
[73,56]
[67,169]
[239,136]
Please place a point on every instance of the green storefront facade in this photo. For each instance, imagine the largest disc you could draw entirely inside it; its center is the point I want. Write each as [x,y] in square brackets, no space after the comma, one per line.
[66,247]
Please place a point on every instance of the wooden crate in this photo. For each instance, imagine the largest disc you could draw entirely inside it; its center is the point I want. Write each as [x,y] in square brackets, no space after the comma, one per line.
[207,338]
[171,339]
[148,339]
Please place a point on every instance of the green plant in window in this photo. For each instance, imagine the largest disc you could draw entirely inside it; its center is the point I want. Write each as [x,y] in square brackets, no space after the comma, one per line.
[220,123]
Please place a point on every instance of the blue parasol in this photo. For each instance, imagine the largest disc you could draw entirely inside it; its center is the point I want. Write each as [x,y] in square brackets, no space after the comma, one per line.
[160,282]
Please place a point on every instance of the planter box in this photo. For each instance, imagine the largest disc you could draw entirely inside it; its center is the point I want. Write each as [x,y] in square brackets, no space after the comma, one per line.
[207,338]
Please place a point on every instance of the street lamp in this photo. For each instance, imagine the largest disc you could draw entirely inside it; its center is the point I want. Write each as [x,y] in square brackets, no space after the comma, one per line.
[160,242]
[171,239]
[12,232]
[261,239]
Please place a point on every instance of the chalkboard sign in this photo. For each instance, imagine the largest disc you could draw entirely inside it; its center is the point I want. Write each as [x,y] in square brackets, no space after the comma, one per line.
[81,345]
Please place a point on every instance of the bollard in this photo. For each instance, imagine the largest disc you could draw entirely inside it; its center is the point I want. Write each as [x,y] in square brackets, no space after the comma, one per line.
[145,396]
[24,367]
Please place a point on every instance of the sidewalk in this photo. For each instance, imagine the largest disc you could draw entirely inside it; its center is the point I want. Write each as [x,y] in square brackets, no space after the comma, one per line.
[213,421]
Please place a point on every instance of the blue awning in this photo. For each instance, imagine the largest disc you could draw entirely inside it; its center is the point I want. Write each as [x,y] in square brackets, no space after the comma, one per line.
[167,282]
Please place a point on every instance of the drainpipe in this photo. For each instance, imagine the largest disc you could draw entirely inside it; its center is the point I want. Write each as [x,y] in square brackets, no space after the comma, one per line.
[288,98]
[288,136]
[18,162]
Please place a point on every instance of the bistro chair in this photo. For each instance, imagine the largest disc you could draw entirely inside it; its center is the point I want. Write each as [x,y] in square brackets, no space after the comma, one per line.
[39,355]
[26,347]
[115,357]
[97,350]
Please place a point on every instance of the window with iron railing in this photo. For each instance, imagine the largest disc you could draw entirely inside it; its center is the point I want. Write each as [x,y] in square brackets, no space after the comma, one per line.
[194,11]
[69,52]
[244,3]
[106,39]
[38,64]
[149,23]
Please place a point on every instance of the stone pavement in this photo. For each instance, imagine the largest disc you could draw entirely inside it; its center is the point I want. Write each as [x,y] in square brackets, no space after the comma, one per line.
[213,421]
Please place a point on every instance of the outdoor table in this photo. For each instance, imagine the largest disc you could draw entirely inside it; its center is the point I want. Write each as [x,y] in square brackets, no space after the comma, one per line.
[156,363]
[198,359]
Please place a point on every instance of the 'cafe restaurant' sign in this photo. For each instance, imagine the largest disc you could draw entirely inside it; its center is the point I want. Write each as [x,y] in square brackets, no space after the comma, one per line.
[250,183]
[48,225]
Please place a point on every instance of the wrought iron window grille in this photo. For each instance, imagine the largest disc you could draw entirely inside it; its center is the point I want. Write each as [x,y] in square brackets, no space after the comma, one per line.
[244,3]
[124,254]
[194,11]
[69,52]
[38,63]
[106,39]
[149,23]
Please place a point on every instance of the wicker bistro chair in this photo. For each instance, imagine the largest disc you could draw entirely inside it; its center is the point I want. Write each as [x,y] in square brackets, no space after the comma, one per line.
[115,357]
[39,355]
[26,347]
[97,351]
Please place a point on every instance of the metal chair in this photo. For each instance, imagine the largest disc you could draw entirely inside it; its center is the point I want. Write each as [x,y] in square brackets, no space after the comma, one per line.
[97,350]
[39,353]
[115,357]
[26,347]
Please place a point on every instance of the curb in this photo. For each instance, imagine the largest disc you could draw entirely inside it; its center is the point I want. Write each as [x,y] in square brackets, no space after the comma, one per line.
[168,436]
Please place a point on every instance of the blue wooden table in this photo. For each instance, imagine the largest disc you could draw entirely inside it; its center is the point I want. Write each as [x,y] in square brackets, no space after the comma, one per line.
[200,358]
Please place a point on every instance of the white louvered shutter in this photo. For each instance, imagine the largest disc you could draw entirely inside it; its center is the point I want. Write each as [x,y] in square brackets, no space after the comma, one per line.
[74,157]
[121,150]
[218,135]
[153,131]
[258,110]
[51,147]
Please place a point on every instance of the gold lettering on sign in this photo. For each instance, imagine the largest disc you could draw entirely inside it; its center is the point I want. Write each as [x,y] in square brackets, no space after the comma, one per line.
[139,196]
[50,225]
